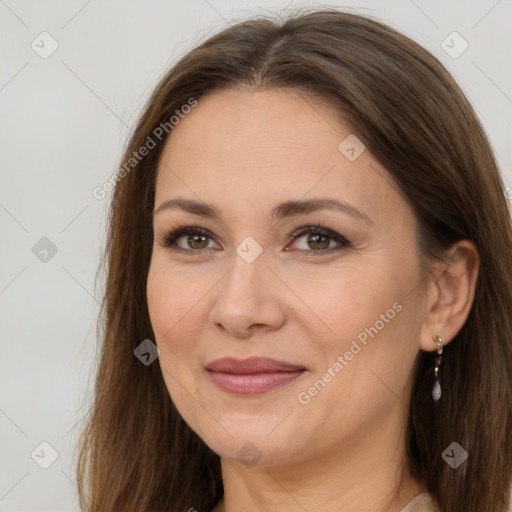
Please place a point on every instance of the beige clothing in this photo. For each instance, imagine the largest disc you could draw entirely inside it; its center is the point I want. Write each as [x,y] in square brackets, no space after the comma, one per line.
[424,503]
[421,503]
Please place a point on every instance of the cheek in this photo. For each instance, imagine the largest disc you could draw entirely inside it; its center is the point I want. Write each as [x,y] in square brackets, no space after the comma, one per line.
[347,300]
[365,315]
[171,297]
[172,307]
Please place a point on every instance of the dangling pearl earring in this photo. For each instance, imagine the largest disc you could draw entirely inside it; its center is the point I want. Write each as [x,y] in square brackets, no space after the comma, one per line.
[436,390]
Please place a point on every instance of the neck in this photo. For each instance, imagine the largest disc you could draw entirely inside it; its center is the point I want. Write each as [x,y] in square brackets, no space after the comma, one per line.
[365,472]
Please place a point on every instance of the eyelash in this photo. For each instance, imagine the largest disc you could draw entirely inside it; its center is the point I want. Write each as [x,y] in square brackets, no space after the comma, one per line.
[168,239]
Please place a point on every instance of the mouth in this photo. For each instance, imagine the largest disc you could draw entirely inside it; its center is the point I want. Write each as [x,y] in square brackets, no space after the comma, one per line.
[253,376]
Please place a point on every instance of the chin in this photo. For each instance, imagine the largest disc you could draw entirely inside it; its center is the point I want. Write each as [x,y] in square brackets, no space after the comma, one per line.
[249,438]
[251,450]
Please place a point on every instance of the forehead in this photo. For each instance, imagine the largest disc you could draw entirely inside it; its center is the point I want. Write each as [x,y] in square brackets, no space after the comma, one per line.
[242,146]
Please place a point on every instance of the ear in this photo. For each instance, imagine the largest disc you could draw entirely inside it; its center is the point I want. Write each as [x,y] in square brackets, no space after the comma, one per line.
[450,294]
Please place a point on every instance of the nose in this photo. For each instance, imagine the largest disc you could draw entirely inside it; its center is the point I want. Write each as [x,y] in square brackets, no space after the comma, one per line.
[248,299]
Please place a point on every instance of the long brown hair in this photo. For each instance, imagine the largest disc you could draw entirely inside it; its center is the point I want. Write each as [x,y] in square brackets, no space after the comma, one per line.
[136,453]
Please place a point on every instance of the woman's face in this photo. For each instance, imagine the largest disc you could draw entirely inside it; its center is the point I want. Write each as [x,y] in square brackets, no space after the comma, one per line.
[340,310]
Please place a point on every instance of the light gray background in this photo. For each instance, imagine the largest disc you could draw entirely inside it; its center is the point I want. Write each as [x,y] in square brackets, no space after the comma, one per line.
[65,120]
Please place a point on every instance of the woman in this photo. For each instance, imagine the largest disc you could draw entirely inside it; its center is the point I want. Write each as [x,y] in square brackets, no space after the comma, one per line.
[308,302]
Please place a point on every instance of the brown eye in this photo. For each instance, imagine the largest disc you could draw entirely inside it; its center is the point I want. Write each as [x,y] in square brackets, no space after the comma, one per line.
[319,239]
[195,239]
[192,240]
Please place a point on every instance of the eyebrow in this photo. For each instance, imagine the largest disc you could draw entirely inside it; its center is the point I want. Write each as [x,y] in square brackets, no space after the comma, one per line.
[280,211]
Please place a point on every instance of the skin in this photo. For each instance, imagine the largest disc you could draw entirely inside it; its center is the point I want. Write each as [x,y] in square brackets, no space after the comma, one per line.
[245,151]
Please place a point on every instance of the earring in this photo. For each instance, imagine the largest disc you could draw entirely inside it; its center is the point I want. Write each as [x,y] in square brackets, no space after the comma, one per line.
[436,390]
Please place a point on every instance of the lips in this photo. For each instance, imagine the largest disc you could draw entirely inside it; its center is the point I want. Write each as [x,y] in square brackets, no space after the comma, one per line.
[251,365]
[252,376]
